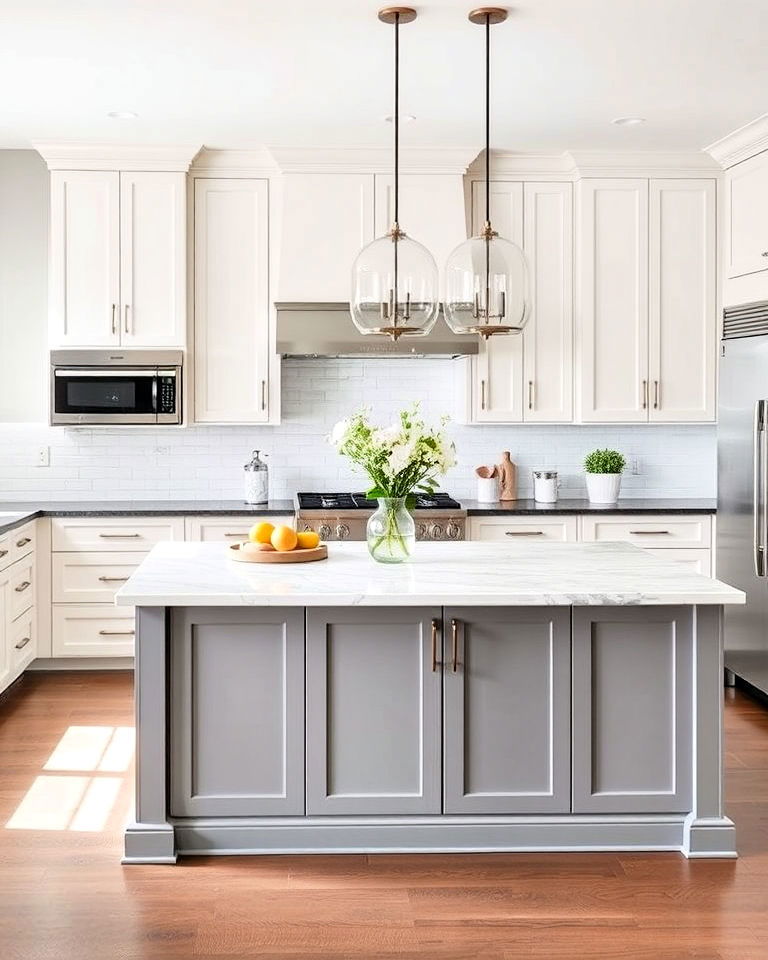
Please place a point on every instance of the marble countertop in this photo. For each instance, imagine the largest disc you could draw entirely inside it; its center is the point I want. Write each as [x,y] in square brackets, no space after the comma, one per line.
[472,574]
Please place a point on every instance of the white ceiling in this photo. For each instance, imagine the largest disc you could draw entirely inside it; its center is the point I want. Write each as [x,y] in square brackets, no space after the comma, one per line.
[235,73]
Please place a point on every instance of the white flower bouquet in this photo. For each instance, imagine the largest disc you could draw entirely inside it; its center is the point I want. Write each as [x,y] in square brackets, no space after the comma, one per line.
[404,458]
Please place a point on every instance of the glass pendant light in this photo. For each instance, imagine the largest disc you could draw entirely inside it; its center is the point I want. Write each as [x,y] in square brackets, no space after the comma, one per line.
[486,277]
[394,279]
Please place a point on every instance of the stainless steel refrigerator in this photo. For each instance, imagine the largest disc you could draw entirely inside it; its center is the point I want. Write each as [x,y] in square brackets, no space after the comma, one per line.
[742,491]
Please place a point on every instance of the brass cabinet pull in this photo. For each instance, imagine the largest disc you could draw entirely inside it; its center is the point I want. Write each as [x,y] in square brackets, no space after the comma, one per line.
[238,535]
[263,394]
[435,661]
[454,645]
[482,394]
[116,633]
[650,533]
[22,643]
[530,394]
[114,309]
[23,586]
[523,533]
[119,536]
[127,328]
[23,542]
[3,553]
[656,395]
[113,579]
[645,394]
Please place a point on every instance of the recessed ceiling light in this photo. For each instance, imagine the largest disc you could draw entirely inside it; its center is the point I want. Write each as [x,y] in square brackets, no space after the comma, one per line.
[122,115]
[404,118]
[628,121]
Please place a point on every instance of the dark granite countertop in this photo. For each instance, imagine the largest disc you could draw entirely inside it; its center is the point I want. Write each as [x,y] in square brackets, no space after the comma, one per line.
[530,507]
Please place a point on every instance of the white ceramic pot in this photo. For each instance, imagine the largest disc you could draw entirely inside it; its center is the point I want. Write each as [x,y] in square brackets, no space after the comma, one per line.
[487,489]
[603,487]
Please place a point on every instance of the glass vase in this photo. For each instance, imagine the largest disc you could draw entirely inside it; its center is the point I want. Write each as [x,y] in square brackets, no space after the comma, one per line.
[391,532]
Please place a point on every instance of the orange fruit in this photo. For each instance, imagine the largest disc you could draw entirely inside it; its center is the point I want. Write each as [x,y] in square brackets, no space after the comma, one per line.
[308,539]
[260,532]
[284,538]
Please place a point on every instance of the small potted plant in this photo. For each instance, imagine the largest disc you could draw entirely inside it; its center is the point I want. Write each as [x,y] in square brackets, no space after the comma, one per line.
[603,469]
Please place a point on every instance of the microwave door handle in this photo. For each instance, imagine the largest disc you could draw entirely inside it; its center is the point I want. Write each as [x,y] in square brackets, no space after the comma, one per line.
[105,372]
[154,395]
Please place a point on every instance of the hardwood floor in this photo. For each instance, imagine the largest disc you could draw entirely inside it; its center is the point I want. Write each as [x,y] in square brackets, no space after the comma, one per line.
[65,792]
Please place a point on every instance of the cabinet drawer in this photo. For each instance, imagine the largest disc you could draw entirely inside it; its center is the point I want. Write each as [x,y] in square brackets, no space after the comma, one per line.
[517,529]
[21,587]
[697,561]
[92,631]
[217,529]
[114,533]
[22,641]
[6,559]
[21,542]
[650,531]
[91,577]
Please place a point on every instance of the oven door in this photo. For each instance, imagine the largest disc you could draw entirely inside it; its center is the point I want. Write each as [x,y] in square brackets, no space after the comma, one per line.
[101,396]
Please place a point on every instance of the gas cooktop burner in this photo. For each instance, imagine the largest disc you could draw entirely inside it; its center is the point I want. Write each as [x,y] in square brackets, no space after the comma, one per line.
[359,501]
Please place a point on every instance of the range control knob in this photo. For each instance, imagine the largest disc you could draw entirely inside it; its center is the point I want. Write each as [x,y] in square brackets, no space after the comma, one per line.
[308,528]
[453,531]
[436,531]
[324,531]
[342,531]
[421,532]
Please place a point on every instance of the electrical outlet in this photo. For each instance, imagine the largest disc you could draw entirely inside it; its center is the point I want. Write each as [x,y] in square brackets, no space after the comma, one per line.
[42,457]
[162,451]
[634,466]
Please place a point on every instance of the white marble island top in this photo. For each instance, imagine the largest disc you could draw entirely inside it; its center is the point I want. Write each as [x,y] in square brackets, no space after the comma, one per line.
[468,573]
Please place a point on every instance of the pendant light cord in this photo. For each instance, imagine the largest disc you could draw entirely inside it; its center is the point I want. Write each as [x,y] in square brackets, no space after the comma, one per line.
[397,117]
[487,118]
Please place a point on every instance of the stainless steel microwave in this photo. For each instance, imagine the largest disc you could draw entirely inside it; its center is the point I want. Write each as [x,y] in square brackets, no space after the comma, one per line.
[100,387]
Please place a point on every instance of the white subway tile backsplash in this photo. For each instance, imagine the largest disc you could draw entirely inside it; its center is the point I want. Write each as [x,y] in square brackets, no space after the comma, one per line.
[205,462]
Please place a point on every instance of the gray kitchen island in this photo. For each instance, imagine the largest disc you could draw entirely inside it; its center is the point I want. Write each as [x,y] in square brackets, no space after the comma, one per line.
[482,697]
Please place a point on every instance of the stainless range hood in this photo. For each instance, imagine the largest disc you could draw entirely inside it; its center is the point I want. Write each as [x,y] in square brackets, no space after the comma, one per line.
[310,330]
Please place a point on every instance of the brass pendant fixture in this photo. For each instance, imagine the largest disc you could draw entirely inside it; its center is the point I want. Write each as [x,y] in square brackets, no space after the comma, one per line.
[486,277]
[395,290]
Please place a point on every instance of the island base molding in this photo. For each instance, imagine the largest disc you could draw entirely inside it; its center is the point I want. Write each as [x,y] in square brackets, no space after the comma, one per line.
[566,834]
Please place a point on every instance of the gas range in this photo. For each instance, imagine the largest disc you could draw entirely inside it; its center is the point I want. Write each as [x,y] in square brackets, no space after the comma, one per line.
[343,516]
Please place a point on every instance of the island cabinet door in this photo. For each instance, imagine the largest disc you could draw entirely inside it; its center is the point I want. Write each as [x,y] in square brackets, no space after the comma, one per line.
[237,712]
[373,710]
[632,709]
[507,710]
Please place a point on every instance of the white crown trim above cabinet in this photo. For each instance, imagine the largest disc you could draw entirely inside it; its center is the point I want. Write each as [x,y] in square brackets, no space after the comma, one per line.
[118,259]
[232,309]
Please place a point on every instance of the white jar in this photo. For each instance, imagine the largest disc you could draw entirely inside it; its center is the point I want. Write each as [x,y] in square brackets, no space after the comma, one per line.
[256,480]
[487,489]
[545,486]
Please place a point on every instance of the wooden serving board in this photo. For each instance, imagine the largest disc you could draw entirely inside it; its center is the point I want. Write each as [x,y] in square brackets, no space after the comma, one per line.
[299,555]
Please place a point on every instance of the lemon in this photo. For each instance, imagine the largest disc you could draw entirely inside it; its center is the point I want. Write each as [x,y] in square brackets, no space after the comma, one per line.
[260,532]
[308,539]
[284,538]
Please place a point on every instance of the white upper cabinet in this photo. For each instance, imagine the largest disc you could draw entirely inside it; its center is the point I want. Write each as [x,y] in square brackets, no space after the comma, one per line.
[431,211]
[85,258]
[612,300]
[683,300]
[232,309]
[497,394]
[746,233]
[326,219]
[153,259]
[548,336]
[118,259]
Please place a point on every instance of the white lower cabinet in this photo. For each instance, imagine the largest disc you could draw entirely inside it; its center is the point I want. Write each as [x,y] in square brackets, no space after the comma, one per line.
[214,529]
[648,530]
[92,630]
[697,561]
[512,529]
[90,577]
[18,616]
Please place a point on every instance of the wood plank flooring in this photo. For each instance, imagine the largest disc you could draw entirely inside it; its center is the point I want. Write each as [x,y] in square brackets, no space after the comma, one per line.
[65,896]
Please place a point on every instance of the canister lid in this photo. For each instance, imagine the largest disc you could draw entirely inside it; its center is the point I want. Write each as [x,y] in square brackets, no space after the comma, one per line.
[256,463]
[545,474]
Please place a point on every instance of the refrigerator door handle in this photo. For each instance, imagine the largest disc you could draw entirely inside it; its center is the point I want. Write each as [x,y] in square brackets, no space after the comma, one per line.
[758,488]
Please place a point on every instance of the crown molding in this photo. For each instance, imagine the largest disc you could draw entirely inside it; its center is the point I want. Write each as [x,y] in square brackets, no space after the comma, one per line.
[741,144]
[435,160]
[605,163]
[255,162]
[77,155]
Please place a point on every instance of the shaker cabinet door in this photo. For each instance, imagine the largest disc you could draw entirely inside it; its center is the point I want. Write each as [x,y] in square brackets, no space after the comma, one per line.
[373,710]
[506,710]
[237,712]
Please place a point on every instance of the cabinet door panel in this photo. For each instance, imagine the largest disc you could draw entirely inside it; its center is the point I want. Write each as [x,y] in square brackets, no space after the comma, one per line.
[153,256]
[85,258]
[237,712]
[231,301]
[612,300]
[632,709]
[548,336]
[683,301]
[497,395]
[373,712]
[746,245]
[507,710]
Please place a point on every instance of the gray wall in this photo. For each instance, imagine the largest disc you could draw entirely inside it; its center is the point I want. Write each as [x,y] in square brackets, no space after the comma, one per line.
[23,285]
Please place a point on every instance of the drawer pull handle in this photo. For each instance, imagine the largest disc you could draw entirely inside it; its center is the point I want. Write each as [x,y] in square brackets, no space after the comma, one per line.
[435,661]
[23,586]
[650,533]
[3,553]
[23,542]
[238,535]
[22,643]
[116,633]
[523,533]
[113,579]
[120,536]
[454,645]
